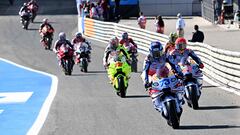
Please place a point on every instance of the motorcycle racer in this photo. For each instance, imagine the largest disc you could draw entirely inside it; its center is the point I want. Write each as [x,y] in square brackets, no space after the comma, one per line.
[48,32]
[79,39]
[170,46]
[181,53]
[63,41]
[154,62]
[111,50]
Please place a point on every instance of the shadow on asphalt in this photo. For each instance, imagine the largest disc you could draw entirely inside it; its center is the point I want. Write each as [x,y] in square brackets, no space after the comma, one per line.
[98,72]
[199,127]
[137,96]
[32,29]
[217,107]
[209,86]
[89,73]
[39,22]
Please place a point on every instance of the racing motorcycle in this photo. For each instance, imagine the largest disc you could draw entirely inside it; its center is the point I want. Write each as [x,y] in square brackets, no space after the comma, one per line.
[25,19]
[47,34]
[82,53]
[132,50]
[33,9]
[193,83]
[65,55]
[119,70]
[166,94]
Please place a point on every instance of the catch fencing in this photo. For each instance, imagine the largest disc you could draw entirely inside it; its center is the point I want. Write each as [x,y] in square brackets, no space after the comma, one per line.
[221,66]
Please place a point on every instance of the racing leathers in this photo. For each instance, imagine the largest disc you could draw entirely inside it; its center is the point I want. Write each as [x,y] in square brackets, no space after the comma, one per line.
[152,66]
[57,46]
[46,30]
[76,41]
[110,52]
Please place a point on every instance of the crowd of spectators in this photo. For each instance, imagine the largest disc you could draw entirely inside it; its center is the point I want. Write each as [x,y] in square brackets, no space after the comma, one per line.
[98,9]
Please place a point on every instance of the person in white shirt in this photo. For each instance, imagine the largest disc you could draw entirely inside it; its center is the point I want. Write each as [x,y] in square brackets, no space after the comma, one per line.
[79,6]
[142,21]
[180,24]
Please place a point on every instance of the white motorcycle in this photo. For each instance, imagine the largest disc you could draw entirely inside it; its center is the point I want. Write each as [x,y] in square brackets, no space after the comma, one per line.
[167,94]
[193,84]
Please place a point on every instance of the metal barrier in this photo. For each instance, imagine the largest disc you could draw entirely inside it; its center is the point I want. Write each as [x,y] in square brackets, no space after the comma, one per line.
[208,12]
[221,66]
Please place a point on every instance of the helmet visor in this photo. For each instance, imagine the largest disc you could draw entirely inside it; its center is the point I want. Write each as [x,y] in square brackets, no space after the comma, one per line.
[157,54]
[181,46]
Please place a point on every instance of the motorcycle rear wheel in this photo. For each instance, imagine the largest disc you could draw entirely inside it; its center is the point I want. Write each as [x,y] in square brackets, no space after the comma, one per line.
[134,66]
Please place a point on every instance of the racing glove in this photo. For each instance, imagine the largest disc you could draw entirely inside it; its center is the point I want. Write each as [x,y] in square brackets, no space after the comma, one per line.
[201,65]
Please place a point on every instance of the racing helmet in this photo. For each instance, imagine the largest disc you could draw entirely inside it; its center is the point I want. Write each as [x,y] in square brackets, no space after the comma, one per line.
[62,36]
[125,35]
[172,37]
[180,44]
[78,35]
[45,20]
[114,42]
[156,49]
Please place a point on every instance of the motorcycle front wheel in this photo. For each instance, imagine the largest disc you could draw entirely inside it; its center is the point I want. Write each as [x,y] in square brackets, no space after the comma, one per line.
[173,119]
[121,87]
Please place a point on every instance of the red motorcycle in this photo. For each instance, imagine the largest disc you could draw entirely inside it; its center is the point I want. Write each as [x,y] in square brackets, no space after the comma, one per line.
[65,54]
[132,50]
[33,8]
[47,35]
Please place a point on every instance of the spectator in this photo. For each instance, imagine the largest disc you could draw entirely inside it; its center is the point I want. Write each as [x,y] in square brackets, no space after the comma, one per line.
[180,24]
[198,36]
[87,7]
[218,10]
[99,10]
[159,24]
[79,6]
[93,12]
[105,6]
[142,21]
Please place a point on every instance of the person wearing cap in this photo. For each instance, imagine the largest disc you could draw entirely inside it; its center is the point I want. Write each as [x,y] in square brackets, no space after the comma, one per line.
[180,25]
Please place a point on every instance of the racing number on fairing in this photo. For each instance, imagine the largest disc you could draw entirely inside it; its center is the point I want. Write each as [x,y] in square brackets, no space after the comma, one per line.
[164,82]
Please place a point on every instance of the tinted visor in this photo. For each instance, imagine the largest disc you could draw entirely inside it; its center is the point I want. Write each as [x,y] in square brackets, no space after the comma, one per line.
[157,54]
[181,46]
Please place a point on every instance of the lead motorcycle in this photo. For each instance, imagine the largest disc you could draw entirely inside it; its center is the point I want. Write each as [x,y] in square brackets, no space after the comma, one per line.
[82,54]
[119,70]
[65,54]
[166,94]
[193,83]
[33,9]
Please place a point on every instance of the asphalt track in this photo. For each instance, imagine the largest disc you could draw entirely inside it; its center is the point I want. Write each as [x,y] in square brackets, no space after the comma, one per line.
[86,104]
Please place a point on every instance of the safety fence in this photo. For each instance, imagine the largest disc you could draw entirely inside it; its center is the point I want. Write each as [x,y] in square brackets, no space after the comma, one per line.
[221,66]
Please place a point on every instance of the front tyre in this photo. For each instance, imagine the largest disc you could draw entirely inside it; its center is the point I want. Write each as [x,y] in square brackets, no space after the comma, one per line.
[194,97]
[84,65]
[173,119]
[121,87]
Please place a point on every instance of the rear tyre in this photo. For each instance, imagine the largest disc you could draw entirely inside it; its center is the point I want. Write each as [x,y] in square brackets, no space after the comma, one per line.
[134,65]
